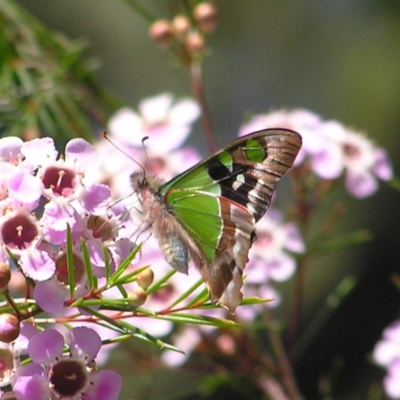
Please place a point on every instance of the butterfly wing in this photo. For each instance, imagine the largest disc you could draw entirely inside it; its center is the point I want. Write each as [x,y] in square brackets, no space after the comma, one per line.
[218,201]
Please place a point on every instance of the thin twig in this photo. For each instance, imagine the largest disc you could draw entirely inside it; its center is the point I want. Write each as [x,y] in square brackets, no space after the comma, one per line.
[286,376]
[198,92]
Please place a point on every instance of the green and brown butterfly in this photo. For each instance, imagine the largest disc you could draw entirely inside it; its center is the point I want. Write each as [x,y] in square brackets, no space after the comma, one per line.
[209,212]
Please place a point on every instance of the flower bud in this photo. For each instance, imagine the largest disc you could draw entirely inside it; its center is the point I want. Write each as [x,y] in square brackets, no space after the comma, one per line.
[195,43]
[181,26]
[206,17]
[5,275]
[137,296]
[145,278]
[161,32]
[9,328]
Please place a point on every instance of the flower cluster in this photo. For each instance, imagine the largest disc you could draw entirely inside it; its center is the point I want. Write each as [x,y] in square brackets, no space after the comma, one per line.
[331,149]
[387,354]
[53,374]
[42,199]
[43,196]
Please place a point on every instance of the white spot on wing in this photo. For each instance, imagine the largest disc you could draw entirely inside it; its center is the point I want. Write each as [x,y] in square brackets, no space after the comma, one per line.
[240,178]
[238,182]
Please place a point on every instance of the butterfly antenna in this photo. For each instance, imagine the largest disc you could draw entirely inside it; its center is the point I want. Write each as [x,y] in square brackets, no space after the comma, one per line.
[124,152]
[145,152]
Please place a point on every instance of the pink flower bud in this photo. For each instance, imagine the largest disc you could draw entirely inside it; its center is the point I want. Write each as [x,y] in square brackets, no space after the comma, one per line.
[9,328]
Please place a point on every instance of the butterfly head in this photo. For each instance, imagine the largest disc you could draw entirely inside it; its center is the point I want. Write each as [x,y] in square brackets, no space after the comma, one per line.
[141,182]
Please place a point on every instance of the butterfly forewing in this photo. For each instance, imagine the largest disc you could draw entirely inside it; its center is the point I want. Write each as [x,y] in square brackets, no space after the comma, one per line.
[217,202]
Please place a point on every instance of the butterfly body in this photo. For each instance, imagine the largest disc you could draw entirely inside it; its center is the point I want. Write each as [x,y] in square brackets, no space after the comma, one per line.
[208,213]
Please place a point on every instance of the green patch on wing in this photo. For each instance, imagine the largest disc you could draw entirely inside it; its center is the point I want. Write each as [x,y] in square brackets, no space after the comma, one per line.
[200,215]
[194,178]
[226,159]
[255,151]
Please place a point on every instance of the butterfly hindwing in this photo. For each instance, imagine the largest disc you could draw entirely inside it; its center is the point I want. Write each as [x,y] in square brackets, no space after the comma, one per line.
[217,202]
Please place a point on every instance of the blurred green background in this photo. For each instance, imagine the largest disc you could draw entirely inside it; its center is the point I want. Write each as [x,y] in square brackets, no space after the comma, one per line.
[341,60]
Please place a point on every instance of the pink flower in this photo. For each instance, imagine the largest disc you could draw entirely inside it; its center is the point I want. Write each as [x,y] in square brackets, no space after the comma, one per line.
[166,124]
[269,257]
[51,294]
[331,149]
[50,373]
[364,163]
[21,232]
[64,183]
[387,354]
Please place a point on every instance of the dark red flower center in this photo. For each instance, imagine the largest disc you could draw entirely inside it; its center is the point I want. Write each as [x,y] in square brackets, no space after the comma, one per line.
[60,180]
[19,232]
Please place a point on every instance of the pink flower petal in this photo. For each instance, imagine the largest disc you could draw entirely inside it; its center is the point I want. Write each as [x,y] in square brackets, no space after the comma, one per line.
[392,332]
[155,109]
[39,151]
[270,293]
[95,197]
[33,387]
[184,112]
[328,163]
[49,296]
[56,217]
[294,241]
[85,342]
[82,154]
[37,264]
[164,139]
[281,267]
[10,148]
[106,386]
[31,369]
[391,382]
[361,185]
[96,252]
[125,125]
[25,187]
[385,352]
[27,332]
[382,166]
[46,346]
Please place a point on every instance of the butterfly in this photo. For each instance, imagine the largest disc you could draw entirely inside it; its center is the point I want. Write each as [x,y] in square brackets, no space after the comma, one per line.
[209,212]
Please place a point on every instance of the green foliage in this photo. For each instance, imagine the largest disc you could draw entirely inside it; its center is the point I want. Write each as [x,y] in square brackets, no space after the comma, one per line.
[45,87]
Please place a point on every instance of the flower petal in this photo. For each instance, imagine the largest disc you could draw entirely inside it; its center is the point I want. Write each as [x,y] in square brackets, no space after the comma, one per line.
[361,184]
[85,342]
[33,387]
[382,166]
[39,151]
[82,154]
[184,112]
[10,147]
[46,346]
[106,385]
[49,295]
[37,264]
[155,109]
